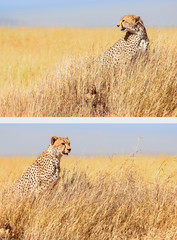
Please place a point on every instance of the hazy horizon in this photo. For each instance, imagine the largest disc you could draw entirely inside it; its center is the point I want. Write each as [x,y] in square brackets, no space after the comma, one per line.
[89,139]
[76,13]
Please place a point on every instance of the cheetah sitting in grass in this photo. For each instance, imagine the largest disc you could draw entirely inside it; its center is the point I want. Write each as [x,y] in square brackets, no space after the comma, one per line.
[134,43]
[44,173]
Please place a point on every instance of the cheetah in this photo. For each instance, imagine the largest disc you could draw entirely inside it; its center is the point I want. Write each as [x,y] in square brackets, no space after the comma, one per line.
[44,173]
[134,43]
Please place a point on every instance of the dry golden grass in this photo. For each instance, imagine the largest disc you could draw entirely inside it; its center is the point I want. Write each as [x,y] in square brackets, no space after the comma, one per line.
[96,198]
[47,73]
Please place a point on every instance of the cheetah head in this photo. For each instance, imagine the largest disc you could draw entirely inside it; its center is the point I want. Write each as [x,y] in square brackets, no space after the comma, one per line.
[61,145]
[130,23]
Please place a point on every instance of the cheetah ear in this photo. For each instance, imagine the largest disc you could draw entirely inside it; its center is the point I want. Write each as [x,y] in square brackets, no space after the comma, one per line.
[138,19]
[66,137]
[53,139]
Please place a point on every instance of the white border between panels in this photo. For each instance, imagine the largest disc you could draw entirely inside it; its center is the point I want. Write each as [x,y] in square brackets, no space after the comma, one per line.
[51,120]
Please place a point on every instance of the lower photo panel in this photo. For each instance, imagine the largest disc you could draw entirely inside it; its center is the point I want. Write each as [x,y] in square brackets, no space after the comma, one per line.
[88,181]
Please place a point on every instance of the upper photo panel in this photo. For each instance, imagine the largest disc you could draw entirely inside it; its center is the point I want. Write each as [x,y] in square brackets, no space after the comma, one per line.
[88,58]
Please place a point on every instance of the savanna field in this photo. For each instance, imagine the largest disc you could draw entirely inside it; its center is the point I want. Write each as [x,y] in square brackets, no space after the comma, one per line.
[115,197]
[51,73]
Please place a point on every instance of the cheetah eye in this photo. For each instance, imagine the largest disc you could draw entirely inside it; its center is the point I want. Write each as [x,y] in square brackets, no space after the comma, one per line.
[63,143]
[123,20]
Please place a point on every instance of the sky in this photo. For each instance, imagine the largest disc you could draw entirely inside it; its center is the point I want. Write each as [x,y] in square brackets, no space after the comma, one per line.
[89,139]
[87,13]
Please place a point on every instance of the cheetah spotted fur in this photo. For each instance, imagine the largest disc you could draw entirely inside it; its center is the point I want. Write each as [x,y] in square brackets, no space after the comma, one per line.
[134,43]
[44,173]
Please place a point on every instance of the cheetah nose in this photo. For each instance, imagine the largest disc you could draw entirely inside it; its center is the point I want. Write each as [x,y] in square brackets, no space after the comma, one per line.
[118,25]
[69,149]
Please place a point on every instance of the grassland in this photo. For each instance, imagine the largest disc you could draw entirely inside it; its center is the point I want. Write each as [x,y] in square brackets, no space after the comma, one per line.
[97,198]
[50,73]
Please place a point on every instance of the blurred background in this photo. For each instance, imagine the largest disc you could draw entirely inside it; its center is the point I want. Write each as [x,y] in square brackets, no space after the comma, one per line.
[87,13]
[89,139]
